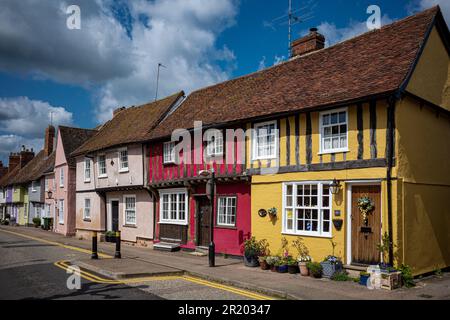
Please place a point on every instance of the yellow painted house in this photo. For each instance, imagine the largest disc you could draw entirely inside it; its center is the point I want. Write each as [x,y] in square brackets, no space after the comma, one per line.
[392,147]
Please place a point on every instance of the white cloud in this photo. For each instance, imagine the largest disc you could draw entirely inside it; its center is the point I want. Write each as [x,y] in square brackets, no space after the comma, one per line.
[118,60]
[23,122]
[334,34]
[419,5]
[262,63]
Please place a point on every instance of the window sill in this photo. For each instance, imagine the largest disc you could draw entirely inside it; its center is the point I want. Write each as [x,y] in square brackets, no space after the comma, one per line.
[103,177]
[130,226]
[182,223]
[87,220]
[306,235]
[334,151]
[225,227]
[265,158]
[171,163]
[87,181]
[124,170]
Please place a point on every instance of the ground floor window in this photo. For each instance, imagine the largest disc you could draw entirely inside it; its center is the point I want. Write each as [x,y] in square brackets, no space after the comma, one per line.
[130,210]
[61,212]
[226,211]
[307,208]
[87,209]
[38,211]
[174,207]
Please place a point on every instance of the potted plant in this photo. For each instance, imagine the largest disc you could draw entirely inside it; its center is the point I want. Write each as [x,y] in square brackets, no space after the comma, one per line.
[303,256]
[292,266]
[383,248]
[331,265]
[282,266]
[315,269]
[253,249]
[272,262]
[263,263]
[363,278]
[37,222]
[110,236]
[302,264]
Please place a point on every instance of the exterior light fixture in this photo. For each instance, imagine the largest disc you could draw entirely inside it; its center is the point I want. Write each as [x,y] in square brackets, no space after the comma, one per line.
[335,186]
[50,194]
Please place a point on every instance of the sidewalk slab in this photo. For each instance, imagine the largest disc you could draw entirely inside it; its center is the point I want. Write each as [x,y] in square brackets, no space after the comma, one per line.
[120,269]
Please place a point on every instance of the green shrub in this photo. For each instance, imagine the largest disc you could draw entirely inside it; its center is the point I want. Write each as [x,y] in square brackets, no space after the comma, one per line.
[407,277]
[341,276]
[315,268]
[37,221]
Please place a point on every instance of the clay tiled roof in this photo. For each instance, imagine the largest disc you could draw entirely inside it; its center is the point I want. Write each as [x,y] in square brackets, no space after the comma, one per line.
[6,180]
[375,63]
[35,169]
[73,138]
[129,125]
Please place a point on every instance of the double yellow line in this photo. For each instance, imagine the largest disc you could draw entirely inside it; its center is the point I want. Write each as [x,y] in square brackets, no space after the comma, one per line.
[96,279]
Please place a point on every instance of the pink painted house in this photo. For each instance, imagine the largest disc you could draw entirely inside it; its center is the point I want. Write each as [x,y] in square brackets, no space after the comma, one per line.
[112,166]
[63,179]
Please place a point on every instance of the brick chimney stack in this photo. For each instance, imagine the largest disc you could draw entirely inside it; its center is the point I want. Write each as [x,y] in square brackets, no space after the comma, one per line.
[49,140]
[25,156]
[314,41]
[3,170]
[14,161]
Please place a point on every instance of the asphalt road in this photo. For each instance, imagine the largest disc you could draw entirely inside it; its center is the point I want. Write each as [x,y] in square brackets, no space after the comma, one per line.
[27,271]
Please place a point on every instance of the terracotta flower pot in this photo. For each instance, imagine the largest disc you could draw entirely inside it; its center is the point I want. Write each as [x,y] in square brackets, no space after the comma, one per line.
[304,271]
[273,268]
[264,265]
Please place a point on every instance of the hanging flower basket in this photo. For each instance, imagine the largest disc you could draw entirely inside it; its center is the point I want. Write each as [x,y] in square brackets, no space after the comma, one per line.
[365,206]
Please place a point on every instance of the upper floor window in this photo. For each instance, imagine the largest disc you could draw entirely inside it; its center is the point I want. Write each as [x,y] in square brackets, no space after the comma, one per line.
[130,210]
[46,184]
[61,212]
[102,166]
[333,131]
[169,152]
[123,160]
[214,146]
[226,209]
[87,170]
[265,141]
[307,209]
[61,177]
[33,186]
[174,207]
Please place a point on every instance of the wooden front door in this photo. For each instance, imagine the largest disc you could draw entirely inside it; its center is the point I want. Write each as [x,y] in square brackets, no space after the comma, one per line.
[115,215]
[366,234]
[203,221]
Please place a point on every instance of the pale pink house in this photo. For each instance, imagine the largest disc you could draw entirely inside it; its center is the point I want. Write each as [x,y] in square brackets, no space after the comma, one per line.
[112,170]
[63,180]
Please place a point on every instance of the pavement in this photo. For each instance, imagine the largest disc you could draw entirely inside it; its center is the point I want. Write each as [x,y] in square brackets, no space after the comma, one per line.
[145,262]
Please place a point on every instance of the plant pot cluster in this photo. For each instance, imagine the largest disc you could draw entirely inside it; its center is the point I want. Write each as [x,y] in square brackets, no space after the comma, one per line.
[110,236]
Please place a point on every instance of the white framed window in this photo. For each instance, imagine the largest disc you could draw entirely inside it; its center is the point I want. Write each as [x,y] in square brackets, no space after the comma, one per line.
[61,212]
[307,208]
[174,207]
[46,184]
[33,186]
[169,152]
[334,131]
[101,160]
[130,210]
[61,177]
[87,209]
[47,210]
[123,160]
[87,170]
[214,143]
[226,211]
[265,141]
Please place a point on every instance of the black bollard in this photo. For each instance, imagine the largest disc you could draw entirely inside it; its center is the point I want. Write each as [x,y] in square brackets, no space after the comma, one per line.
[94,254]
[117,255]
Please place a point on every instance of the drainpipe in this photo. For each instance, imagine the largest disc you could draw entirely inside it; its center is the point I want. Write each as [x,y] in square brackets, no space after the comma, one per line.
[390,154]
[154,195]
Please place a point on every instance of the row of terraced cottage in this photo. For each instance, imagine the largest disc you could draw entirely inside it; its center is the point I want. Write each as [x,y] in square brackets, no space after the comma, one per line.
[371,114]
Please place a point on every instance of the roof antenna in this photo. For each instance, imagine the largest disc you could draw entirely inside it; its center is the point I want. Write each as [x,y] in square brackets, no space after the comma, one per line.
[293,18]
[157,80]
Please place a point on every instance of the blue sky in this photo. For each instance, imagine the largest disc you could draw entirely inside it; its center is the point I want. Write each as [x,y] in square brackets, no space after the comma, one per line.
[82,75]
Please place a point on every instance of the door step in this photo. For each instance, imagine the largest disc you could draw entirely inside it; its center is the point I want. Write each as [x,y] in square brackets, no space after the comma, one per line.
[201,251]
[354,270]
[166,246]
